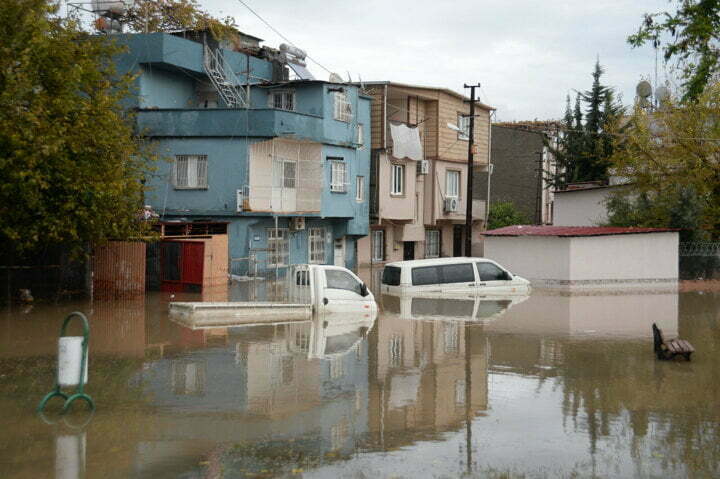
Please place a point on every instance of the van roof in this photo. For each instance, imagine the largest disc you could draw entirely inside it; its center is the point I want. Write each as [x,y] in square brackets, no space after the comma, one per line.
[436,261]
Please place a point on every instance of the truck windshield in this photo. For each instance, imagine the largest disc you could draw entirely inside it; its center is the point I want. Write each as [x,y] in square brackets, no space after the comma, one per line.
[391,276]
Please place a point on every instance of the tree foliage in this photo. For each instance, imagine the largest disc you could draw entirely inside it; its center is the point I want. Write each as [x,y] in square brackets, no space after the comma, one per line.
[71,169]
[174,15]
[505,213]
[692,36]
[672,157]
[586,144]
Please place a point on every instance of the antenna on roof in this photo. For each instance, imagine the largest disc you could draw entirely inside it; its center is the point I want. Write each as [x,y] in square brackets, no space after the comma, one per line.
[349,78]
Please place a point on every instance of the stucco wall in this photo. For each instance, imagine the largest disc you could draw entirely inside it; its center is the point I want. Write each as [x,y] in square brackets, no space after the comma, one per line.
[624,257]
[396,207]
[581,208]
[534,258]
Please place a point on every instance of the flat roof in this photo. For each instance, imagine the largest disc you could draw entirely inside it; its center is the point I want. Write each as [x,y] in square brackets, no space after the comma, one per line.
[444,90]
[572,231]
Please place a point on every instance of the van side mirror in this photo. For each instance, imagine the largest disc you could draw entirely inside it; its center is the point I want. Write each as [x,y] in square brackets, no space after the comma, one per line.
[364,290]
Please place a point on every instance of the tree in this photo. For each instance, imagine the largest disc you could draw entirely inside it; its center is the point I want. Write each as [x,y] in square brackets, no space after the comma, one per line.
[585,147]
[71,168]
[173,15]
[504,213]
[671,157]
[693,36]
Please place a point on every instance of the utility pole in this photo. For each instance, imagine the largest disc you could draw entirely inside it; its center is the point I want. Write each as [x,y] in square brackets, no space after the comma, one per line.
[538,198]
[469,200]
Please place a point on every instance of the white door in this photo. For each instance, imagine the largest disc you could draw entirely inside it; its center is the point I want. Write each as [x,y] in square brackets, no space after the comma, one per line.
[342,293]
[283,188]
[340,252]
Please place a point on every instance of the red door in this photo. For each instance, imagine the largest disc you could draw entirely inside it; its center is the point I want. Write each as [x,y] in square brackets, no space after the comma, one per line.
[192,263]
[182,265]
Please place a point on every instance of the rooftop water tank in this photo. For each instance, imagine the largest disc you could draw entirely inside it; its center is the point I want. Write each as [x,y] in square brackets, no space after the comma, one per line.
[111,7]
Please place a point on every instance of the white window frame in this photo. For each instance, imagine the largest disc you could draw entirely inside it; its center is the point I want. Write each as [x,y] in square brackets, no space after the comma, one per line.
[190,172]
[452,190]
[378,245]
[280,177]
[397,179]
[278,247]
[463,127]
[359,189]
[360,140]
[432,243]
[286,100]
[342,107]
[316,245]
[338,175]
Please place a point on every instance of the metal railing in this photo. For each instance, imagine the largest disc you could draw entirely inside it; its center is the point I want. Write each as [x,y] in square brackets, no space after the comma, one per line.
[224,80]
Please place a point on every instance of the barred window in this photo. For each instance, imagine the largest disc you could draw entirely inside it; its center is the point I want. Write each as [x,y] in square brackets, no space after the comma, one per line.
[432,244]
[278,246]
[338,173]
[283,100]
[284,173]
[343,108]
[317,245]
[190,172]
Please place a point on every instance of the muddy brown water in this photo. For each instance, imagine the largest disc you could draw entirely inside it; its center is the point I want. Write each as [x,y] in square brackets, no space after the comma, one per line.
[547,386]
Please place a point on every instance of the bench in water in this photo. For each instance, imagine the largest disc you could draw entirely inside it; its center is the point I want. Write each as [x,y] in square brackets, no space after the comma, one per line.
[669,349]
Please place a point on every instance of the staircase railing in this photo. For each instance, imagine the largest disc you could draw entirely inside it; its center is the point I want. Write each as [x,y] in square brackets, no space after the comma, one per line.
[223,80]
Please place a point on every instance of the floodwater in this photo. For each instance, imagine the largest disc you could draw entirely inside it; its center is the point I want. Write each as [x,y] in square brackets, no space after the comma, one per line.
[549,385]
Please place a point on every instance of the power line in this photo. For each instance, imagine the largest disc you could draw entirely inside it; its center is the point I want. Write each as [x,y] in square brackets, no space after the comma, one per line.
[280,34]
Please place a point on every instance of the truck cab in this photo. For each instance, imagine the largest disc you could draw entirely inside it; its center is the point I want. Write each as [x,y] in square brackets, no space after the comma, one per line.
[330,289]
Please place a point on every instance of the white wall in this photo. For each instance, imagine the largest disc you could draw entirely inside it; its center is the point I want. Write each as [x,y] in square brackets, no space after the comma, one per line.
[581,207]
[624,257]
[532,257]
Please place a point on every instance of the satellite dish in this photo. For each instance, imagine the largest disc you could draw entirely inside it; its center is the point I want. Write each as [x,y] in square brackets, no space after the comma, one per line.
[662,94]
[643,89]
[335,78]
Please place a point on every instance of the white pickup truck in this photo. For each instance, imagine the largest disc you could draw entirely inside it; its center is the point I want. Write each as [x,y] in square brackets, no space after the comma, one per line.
[312,290]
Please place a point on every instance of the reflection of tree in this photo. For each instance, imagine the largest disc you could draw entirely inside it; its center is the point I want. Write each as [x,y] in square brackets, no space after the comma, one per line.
[675,403]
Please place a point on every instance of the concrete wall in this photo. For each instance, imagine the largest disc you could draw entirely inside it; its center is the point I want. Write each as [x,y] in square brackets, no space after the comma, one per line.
[532,257]
[581,207]
[602,260]
[624,257]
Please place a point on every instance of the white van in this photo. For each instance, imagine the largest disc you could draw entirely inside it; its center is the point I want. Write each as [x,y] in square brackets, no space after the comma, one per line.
[451,275]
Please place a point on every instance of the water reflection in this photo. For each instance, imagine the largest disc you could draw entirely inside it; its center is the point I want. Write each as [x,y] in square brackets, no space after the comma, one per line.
[431,388]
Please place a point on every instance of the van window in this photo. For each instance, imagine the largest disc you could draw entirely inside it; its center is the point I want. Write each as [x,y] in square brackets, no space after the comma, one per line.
[337,279]
[450,273]
[490,272]
[391,276]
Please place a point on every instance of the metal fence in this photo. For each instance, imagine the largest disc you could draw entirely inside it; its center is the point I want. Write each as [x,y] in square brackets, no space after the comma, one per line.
[699,260]
[258,280]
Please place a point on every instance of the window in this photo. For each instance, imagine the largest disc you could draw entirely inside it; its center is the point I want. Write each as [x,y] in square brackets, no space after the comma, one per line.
[432,244]
[464,126]
[317,245]
[337,279]
[378,245]
[278,246]
[191,171]
[284,173]
[396,350]
[282,100]
[391,275]
[337,176]
[343,108]
[360,188]
[451,273]
[397,179]
[360,135]
[452,184]
[490,272]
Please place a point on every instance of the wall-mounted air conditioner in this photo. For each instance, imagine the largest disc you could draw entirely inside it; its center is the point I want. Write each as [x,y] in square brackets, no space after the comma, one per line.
[297,223]
[451,205]
[423,167]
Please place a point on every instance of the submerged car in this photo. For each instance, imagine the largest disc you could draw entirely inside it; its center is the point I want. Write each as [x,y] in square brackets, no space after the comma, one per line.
[451,275]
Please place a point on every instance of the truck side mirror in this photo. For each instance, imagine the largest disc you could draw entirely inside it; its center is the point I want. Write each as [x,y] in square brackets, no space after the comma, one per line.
[508,276]
[364,290]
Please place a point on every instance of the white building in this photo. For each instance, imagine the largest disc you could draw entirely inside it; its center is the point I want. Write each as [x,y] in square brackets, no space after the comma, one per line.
[587,257]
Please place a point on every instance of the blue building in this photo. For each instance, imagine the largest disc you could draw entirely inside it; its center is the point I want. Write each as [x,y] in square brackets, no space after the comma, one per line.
[285,163]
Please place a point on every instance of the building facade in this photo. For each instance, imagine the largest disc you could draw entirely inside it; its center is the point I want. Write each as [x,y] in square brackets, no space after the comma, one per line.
[418,183]
[522,166]
[284,162]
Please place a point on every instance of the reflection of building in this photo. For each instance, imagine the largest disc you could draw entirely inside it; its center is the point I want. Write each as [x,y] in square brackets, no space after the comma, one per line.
[419,378]
[261,383]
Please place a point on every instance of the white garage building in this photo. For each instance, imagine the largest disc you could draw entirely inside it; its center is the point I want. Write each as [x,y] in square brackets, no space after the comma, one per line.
[586,257]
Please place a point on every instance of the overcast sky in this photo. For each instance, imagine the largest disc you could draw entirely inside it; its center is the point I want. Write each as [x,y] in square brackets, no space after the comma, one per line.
[528,55]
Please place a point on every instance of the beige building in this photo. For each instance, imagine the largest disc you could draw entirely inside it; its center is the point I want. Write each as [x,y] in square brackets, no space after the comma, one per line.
[418,183]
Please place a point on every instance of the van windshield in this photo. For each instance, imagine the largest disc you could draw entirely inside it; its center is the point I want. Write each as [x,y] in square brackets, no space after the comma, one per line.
[391,276]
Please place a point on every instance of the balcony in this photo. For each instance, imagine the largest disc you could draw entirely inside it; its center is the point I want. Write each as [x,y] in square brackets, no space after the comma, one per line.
[214,122]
